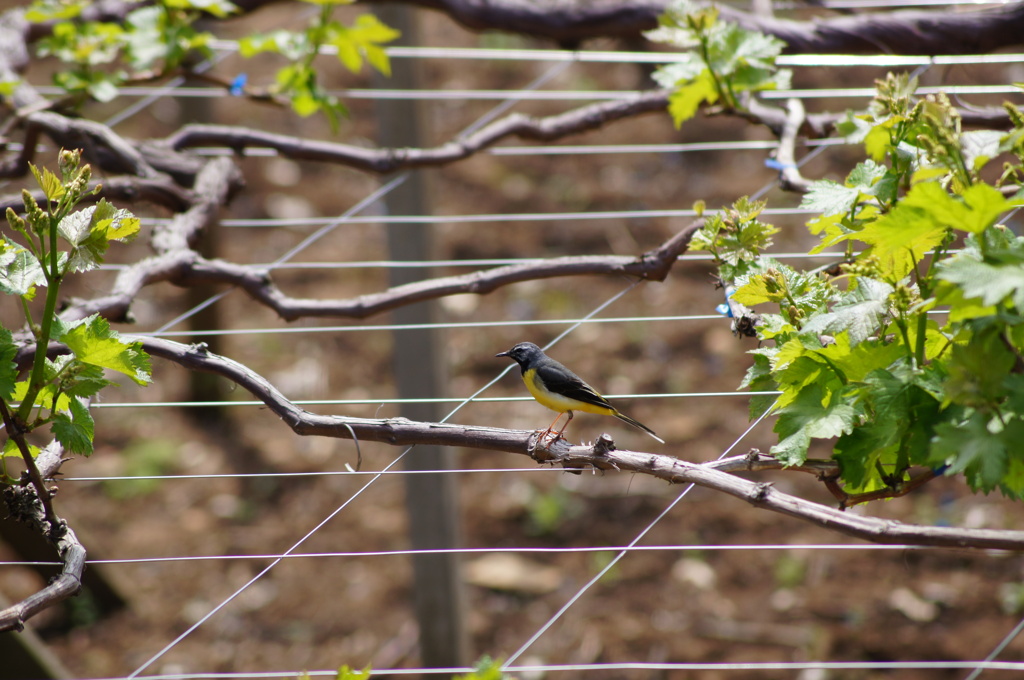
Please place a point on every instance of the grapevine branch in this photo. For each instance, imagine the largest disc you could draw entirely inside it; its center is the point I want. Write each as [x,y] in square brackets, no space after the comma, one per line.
[183,266]
[383,161]
[569,22]
[902,32]
[601,456]
[23,505]
[790,178]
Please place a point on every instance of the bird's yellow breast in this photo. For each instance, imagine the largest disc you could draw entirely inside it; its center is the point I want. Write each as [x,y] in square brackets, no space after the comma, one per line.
[558,402]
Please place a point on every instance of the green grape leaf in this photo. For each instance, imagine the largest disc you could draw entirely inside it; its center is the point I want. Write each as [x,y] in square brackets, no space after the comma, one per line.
[734,48]
[977,449]
[855,362]
[980,207]
[897,429]
[1012,484]
[93,342]
[961,307]
[977,370]
[485,668]
[935,341]
[866,175]
[363,38]
[902,237]
[90,230]
[145,43]
[11,449]
[20,271]
[830,198]
[859,312]
[305,103]
[860,452]
[878,139]
[688,67]
[684,100]
[759,379]
[758,290]
[990,283]
[831,229]
[75,430]
[104,89]
[874,180]
[979,147]
[809,417]
[51,185]
[800,373]
[792,450]
[115,224]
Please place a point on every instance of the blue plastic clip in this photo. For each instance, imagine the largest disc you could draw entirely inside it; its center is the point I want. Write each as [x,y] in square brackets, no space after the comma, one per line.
[237,88]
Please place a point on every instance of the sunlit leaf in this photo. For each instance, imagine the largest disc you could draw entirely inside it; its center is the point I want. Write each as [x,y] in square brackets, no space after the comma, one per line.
[93,342]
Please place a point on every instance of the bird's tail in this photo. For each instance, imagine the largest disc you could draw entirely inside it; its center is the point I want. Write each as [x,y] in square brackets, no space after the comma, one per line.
[637,423]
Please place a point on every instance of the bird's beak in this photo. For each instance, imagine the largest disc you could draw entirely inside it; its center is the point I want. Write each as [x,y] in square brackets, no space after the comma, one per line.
[503,354]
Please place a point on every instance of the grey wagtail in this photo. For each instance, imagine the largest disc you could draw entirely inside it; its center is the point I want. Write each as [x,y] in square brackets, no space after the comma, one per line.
[558,388]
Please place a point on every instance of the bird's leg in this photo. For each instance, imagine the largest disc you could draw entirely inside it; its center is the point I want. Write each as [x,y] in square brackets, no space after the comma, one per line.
[550,432]
[559,433]
[550,427]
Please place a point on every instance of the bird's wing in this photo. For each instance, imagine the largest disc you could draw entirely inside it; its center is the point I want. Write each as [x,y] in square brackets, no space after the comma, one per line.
[563,381]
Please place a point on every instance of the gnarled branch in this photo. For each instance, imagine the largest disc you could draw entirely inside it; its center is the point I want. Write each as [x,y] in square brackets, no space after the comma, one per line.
[904,32]
[383,161]
[603,456]
[23,505]
[182,266]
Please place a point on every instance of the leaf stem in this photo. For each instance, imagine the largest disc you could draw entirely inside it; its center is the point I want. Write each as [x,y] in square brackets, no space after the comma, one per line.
[901,324]
[53,278]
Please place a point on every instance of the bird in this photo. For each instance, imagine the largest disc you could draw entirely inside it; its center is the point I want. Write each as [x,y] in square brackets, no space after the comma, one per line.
[561,390]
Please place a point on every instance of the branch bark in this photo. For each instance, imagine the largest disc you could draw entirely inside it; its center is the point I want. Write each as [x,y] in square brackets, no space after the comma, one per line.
[383,161]
[183,266]
[905,32]
[23,505]
[601,456]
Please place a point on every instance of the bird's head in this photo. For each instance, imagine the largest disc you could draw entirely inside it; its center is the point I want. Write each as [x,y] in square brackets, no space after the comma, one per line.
[523,353]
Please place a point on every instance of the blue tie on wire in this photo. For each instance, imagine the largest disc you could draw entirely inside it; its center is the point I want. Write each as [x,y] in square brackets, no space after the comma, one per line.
[237,88]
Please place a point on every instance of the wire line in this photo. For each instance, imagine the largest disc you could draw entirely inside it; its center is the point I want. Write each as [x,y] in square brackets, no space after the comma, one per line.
[611,563]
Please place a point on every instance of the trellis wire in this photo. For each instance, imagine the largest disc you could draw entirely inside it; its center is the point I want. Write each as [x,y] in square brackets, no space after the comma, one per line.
[439,325]
[637,665]
[373,479]
[358,207]
[496,262]
[539,632]
[615,560]
[224,603]
[491,217]
[560,95]
[526,550]
[206,617]
[422,400]
[633,547]
[633,57]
